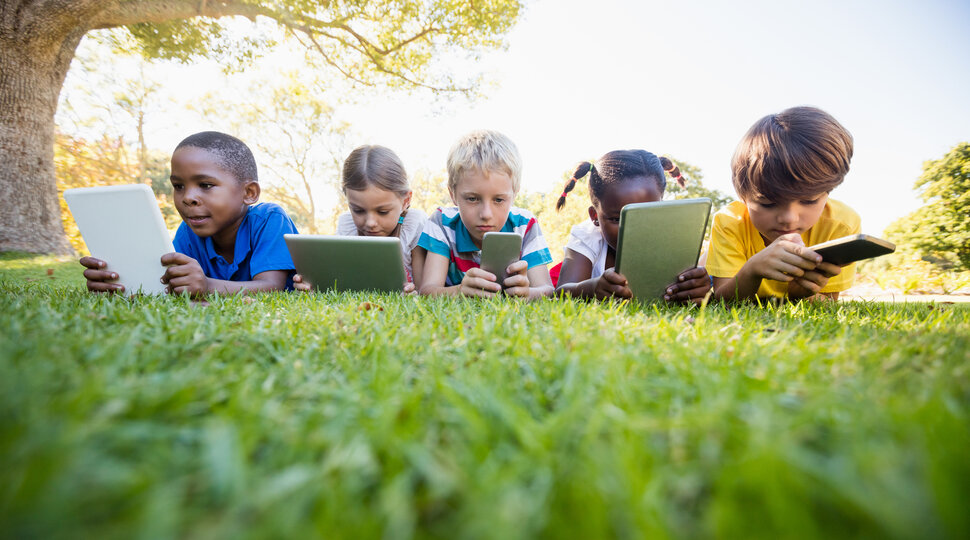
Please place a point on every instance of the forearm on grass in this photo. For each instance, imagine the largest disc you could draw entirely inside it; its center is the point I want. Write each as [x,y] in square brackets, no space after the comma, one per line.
[272,280]
[439,290]
[583,289]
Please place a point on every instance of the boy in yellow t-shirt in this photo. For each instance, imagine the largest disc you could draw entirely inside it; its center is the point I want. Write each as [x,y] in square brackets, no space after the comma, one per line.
[783,171]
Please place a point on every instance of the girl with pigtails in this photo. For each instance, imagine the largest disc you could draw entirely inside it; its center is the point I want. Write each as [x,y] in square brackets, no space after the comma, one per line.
[619,178]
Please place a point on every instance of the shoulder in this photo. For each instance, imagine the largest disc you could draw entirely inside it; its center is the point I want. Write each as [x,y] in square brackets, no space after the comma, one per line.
[345,225]
[413,225]
[268,212]
[734,216]
[735,212]
[445,217]
[586,231]
[842,214]
[520,216]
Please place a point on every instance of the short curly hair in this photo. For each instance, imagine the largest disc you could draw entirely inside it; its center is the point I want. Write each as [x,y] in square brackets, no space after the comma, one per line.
[234,155]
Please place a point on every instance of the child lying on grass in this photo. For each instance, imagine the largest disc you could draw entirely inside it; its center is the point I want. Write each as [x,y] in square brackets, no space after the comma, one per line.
[783,171]
[227,243]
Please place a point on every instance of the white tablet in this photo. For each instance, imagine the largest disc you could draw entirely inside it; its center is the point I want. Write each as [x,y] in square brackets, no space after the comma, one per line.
[348,263]
[123,226]
[658,241]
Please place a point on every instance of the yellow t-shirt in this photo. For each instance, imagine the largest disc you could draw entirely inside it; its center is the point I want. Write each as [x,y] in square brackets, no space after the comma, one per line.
[734,240]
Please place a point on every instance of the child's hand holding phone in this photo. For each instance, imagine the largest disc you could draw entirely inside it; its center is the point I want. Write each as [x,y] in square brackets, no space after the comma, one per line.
[784,259]
[478,282]
[517,282]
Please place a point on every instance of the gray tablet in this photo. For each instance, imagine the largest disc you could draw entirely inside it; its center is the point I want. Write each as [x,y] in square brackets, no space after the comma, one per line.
[658,241]
[123,226]
[348,263]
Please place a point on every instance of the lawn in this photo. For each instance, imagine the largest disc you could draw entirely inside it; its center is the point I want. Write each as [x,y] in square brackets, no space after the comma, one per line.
[299,415]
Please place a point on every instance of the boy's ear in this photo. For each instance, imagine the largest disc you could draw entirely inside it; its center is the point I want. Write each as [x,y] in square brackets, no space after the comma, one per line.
[251,192]
[454,199]
[593,216]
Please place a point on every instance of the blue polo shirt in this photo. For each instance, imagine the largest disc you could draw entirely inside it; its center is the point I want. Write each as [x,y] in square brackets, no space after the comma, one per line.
[259,246]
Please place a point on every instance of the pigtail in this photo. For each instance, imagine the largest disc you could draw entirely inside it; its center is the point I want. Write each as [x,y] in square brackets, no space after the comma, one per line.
[581,171]
[673,170]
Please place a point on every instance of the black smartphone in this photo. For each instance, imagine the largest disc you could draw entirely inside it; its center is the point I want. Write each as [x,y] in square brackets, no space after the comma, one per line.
[849,249]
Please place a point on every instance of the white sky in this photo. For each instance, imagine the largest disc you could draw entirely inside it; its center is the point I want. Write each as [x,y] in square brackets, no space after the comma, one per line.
[687,79]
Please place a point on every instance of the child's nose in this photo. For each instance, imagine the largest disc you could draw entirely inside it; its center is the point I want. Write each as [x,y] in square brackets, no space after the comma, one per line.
[190,196]
[787,214]
[486,212]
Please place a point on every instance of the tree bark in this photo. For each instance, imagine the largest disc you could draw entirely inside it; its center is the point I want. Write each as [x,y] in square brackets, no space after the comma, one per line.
[32,72]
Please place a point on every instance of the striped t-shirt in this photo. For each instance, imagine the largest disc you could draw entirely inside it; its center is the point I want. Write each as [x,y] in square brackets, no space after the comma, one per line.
[446,235]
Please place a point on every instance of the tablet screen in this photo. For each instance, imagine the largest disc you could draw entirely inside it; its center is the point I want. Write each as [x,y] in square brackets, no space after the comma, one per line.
[123,226]
[658,241]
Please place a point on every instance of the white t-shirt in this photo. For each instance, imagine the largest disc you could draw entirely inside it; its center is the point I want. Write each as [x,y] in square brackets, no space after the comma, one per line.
[587,240]
[409,234]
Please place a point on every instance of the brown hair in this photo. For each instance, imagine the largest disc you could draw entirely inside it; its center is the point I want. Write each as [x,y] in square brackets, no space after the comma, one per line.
[375,166]
[617,166]
[799,152]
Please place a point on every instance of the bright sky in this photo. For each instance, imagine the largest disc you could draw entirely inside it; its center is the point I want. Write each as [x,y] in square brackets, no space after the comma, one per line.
[687,79]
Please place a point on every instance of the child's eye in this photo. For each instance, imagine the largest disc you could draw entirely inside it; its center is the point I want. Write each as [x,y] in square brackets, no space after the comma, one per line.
[766,204]
[356,211]
[205,185]
[471,199]
[810,203]
[613,220]
[383,212]
[499,200]
[177,187]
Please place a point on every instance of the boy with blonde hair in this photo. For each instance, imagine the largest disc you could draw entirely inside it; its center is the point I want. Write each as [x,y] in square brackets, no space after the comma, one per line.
[783,171]
[484,176]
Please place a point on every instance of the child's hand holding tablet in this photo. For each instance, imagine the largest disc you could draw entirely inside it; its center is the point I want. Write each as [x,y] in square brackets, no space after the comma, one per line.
[124,230]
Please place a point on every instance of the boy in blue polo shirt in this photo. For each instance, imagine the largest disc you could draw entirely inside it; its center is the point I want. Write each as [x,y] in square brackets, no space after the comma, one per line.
[227,243]
[484,175]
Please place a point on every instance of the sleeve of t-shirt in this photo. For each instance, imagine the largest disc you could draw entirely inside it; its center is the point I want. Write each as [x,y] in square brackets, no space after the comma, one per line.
[269,251]
[433,236]
[726,255]
[578,243]
[412,228]
[345,225]
[535,251]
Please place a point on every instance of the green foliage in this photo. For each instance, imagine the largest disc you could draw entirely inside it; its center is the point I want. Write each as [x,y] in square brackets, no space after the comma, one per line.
[392,42]
[940,230]
[304,415]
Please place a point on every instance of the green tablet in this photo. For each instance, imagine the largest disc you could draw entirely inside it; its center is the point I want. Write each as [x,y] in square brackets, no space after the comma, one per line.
[658,241]
[348,263]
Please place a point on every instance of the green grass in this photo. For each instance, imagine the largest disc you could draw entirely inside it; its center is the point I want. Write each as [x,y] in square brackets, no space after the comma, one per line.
[305,415]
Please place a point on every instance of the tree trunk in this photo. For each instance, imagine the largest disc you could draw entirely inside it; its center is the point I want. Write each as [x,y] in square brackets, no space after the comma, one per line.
[31,76]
